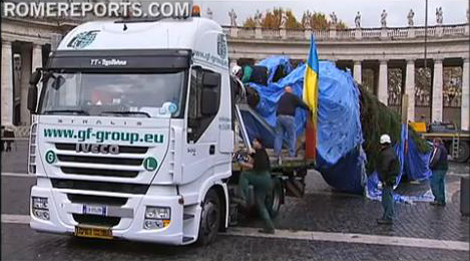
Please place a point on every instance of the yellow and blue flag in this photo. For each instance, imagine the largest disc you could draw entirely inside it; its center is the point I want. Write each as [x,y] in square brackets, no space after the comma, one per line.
[310,96]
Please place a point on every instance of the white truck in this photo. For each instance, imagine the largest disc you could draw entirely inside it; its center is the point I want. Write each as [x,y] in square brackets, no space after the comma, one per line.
[133,134]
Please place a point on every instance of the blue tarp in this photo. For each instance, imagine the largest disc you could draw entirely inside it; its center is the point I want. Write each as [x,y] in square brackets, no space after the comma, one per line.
[414,164]
[270,95]
[273,63]
[339,124]
[340,157]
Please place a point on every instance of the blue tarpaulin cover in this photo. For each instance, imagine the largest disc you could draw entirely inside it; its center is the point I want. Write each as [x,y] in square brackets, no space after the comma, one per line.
[340,157]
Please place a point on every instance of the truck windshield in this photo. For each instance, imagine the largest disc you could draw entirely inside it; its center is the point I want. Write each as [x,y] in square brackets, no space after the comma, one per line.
[113,94]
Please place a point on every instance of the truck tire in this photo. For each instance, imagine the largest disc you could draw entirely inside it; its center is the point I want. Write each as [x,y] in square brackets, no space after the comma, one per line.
[210,219]
[464,152]
[274,200]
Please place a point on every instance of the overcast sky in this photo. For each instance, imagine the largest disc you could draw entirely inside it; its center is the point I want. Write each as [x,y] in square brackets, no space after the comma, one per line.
[454,11]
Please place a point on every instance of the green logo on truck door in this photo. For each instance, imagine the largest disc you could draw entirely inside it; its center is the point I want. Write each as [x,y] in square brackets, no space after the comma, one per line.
[150,164]
[50,157]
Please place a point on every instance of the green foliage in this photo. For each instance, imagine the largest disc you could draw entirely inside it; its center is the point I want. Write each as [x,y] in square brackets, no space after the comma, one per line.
[377,119]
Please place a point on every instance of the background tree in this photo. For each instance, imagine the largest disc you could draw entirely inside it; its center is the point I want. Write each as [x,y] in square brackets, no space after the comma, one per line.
[272,20]
[318,21]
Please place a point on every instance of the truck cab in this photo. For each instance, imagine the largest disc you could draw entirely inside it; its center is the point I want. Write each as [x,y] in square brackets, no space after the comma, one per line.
[132,134]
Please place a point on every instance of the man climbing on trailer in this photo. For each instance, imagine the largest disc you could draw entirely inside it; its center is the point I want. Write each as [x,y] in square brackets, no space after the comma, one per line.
[285,126]
[259,176]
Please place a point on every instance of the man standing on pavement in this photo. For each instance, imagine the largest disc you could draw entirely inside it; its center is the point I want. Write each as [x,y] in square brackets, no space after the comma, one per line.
[285,125]
[439,168]
[259,176]
[388,169]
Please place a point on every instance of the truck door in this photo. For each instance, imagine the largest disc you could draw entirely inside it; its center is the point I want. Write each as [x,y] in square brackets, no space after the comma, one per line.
[202,129]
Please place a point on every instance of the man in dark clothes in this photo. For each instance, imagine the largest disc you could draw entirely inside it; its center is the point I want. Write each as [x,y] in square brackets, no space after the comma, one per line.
[388,168]
[285,125]
[259,176]
[439,167]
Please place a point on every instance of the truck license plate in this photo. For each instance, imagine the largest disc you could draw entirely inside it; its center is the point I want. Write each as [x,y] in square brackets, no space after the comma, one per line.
[93,232]
[94,210]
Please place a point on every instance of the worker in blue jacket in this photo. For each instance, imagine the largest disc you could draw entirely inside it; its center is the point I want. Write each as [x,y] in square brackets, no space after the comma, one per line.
[439,167]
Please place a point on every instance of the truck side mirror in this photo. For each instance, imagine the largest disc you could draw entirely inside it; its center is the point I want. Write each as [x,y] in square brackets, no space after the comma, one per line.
[210,102]
[35,77]
[32,98]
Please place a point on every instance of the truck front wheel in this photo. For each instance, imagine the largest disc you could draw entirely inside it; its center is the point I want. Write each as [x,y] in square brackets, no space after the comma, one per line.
[210,218]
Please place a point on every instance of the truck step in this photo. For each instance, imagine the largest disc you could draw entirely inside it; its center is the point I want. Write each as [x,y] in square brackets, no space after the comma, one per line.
[187,216]
[187,239]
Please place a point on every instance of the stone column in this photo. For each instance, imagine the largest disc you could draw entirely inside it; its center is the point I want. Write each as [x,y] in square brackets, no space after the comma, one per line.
[37,57]
[382,92]
[437,91]
[26,68]
[410,88]
[465,107]
[357,71]
[7,83]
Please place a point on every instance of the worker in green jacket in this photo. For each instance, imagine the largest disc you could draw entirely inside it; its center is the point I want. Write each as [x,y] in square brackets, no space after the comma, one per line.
[388,168]
[259,176]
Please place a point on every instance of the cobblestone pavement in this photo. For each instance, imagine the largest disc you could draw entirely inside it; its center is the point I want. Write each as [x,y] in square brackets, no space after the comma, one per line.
[21,243]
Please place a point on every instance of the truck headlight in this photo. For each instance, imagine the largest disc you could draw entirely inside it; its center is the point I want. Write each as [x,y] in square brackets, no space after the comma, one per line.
[158,213]
[40,208]
[157,217]
[41,203]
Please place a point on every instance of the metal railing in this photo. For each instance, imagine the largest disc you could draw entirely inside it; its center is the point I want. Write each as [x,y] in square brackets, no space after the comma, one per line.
[458,30]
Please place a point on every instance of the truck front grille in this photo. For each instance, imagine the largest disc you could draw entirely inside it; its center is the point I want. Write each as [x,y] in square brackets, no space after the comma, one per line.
[100,160]
[138,189]
[126,164]
[97,200]
[100,172]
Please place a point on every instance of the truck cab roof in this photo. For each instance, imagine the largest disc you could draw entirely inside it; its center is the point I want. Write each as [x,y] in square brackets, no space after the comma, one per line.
[166,33]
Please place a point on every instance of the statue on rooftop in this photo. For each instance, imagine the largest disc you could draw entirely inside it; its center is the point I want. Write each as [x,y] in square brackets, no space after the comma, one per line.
[233,18]
[410,17]
[383,18]
[357,20]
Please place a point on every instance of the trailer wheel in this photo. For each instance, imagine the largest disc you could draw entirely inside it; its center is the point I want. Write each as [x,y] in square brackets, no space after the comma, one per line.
[464,152]
[210,218]
[274,200]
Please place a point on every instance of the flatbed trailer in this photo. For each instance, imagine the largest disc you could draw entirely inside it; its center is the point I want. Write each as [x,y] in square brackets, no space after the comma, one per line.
[457,143]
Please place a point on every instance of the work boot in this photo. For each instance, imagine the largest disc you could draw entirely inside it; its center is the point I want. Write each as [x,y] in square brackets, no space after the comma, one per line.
[382,221]
[267,231]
